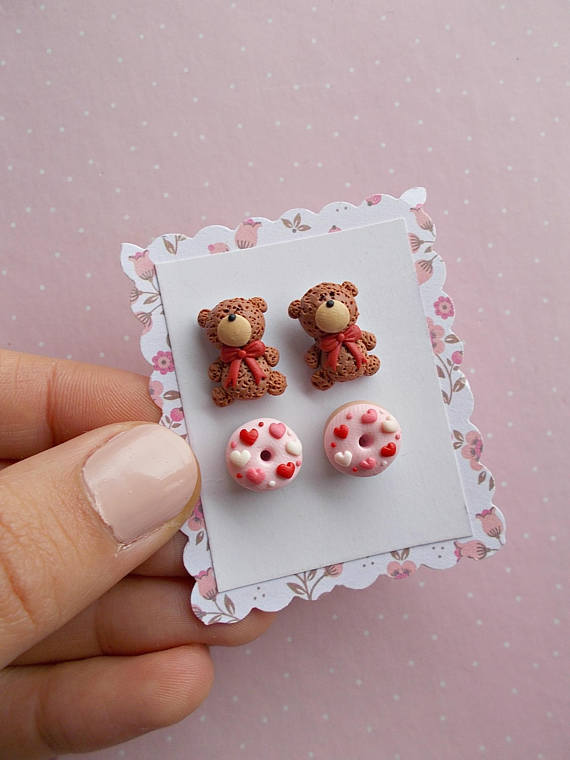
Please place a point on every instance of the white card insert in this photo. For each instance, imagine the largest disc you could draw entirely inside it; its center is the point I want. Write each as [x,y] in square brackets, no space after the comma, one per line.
[323,517]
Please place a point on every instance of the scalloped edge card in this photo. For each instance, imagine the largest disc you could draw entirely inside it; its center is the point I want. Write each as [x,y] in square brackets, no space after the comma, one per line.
[326,529]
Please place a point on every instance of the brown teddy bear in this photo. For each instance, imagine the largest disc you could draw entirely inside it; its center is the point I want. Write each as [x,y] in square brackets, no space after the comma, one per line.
[236,327]
[328,313]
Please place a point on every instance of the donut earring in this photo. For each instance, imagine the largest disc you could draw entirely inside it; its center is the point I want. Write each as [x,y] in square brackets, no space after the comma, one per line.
[361,439]
[264,455]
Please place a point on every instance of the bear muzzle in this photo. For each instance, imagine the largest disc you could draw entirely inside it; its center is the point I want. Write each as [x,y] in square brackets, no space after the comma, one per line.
[234,330]
[332,316]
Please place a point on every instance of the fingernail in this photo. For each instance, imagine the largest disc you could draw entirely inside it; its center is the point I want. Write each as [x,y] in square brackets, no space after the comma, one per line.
[140,479]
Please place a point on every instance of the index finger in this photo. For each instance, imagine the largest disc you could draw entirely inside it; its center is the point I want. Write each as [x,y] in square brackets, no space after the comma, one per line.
[44,401]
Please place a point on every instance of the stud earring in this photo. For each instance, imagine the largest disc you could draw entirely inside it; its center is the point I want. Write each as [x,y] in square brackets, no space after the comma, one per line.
[328,313]
[361,439]
[244,367]
[264,455]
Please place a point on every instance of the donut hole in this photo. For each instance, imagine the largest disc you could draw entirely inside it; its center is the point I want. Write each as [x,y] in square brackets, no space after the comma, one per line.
[266,455]
[366,440]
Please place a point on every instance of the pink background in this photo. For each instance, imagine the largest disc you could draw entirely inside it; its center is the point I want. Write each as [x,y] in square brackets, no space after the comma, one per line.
[129,119]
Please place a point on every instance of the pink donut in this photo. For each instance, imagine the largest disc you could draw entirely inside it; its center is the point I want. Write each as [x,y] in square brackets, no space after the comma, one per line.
[361,439]
[264,454]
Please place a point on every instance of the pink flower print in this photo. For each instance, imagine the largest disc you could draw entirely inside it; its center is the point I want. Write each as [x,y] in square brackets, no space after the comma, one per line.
[333,569]
[207,583]
[436,333]
[218,247]
[401,570]
[246,234]
[196,519]
[198,611]
[372,200]
[177,415]
[155,389]
[163,362]
[490,523]
[471,550]
[334,228]
[443,307]
[473,449]
[422,274]
[423,220]
[424,269]
[415,242]
[143,265]
[457,357]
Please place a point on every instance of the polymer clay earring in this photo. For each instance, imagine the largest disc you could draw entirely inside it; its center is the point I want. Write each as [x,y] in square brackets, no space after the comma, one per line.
[244,367]
[264,455]
[361,439]
[328,313]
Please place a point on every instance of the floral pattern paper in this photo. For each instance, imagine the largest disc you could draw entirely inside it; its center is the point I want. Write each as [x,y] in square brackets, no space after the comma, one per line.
[487,521]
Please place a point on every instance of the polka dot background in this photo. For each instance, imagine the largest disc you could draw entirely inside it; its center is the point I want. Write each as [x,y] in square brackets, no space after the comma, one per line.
[125,120]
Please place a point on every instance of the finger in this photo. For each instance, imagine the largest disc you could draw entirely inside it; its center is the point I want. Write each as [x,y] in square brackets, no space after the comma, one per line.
[46,401]
[141,615]
[167,561]
[91,704]
[77,518]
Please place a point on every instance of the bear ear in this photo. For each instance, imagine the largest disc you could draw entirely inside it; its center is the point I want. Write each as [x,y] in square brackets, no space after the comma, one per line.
[295,309]
[350,288]
[259,303]
[203,317]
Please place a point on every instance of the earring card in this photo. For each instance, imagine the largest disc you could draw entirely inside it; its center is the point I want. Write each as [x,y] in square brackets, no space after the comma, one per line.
[432,507]
[323,518]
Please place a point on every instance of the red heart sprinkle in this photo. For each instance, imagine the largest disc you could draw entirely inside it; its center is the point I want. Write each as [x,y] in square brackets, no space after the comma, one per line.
[355,469]
[286,470]
[388,450]
[248,437]
[333,445]
[239,475]
[341,431]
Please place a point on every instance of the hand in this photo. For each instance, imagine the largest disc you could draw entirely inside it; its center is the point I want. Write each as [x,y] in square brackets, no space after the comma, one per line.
[97,635]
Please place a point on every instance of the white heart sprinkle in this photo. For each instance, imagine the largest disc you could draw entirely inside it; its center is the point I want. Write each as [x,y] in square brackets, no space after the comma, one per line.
[271,484]
[390,425]
[294,448]
[344,458]
[240,458]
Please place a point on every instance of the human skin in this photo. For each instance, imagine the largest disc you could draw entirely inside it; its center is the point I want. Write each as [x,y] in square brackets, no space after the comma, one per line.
[81,599]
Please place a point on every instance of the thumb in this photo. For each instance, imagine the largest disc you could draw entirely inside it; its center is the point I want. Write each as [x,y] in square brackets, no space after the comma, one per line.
[78,517]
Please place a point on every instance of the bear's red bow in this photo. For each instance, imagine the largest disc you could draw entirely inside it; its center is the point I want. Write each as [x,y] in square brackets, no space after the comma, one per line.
[248,354]
[331,345]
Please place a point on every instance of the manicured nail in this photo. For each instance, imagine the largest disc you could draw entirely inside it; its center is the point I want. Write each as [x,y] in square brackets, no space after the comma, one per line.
[140,479]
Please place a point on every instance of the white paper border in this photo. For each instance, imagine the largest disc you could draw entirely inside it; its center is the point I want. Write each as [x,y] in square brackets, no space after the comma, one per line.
[487,521]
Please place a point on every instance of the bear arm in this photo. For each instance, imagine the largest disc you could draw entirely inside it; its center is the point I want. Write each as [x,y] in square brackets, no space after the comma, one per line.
[215,371]
[369,340]
[271,355]
[312,357]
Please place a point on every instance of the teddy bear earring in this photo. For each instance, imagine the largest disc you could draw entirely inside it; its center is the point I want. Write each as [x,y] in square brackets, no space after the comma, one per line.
[243,369]
[328,313]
